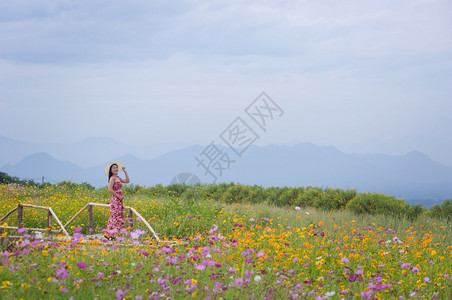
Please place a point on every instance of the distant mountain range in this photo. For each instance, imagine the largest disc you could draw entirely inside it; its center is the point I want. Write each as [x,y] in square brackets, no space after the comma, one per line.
[85,153]
[413,176]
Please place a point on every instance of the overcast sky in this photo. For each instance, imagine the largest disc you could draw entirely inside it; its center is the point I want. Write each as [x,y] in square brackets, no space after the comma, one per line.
[353,74]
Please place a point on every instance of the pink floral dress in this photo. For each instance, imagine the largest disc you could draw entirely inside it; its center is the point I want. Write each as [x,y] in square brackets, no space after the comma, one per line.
[116,220]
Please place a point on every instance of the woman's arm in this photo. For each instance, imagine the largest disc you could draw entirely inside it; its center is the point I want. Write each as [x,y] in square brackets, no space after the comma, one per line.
[111,190]
[127,180]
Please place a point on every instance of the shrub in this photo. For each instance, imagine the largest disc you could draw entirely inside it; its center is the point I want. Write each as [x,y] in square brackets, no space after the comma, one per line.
[131,189]
[257,194]
[5,178]
[309,196]
[194,192]
[443,211]
[333,199]
[274,194]
[377,203]
[177,189]
[87,186]
[289,196]
[237,193]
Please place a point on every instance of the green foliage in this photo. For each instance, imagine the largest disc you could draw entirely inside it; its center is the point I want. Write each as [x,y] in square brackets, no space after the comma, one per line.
[177,189]
[257,194]
[274,195]
[236,193]
[189,217]
[289,196]
[443,211]
[193,192]
[377,203]
[334,199]
[156,191]
[67,184]
[5,178]
[215,191]
[314,197]
[87,186]
[309,196]
[131,189]
[414,211]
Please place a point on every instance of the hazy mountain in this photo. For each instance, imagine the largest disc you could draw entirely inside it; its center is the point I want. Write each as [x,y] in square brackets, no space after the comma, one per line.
[41,164]
[85,153]
[438,148]
[412,176]
[13,151]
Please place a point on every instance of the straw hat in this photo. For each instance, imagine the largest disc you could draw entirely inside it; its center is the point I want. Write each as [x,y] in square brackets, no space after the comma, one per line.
[107,168]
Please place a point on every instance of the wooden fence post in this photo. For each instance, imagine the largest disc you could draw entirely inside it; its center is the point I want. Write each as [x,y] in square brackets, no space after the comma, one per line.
[130,219]
[19,216]
[90,219]
[49,222]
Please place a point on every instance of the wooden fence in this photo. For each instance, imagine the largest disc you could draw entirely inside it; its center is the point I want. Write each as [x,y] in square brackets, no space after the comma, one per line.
[89,207]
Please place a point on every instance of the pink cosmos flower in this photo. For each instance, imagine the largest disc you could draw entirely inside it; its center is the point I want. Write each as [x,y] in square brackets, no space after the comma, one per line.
[62,273]
[214,228]
[82,265]
[367,295]
[406,265]
[119,294]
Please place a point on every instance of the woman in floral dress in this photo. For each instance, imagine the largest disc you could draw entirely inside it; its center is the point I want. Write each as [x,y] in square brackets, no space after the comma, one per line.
[116,220]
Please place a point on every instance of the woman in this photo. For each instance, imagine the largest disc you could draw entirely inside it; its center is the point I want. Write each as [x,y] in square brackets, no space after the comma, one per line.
[116,220]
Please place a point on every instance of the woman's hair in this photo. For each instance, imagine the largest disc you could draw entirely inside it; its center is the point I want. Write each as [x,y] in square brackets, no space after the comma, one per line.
[110,173]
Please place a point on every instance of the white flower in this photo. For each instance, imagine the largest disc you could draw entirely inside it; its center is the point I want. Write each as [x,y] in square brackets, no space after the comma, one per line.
[257,278]
[330,294]
[297,208]
[307,213]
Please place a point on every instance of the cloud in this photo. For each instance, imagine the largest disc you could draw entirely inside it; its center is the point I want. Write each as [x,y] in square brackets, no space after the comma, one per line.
[92,31]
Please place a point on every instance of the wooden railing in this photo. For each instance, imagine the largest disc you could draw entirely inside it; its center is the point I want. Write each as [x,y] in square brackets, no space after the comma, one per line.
[89,207]
[131,211]
[50,215]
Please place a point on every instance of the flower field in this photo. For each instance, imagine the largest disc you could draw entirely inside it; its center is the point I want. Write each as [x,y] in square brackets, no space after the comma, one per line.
[228,251]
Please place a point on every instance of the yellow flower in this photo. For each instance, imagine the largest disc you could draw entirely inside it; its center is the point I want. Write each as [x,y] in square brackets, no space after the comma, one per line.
[45,252]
